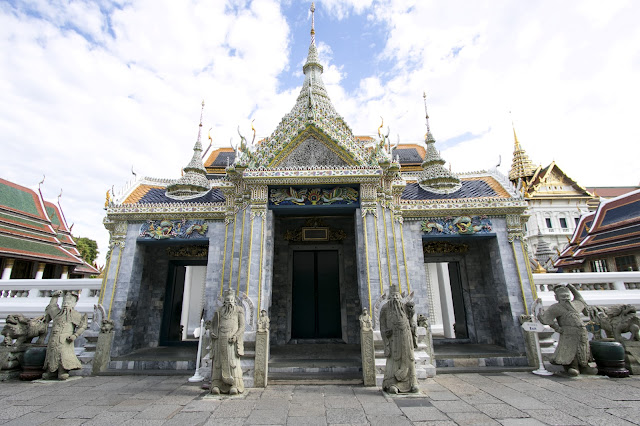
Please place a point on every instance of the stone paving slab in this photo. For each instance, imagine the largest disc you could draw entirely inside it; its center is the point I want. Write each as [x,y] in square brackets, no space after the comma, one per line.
[456,399]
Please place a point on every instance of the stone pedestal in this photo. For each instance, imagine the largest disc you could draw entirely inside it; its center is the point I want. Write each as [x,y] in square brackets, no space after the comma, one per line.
[422,355]
[261,367]
[103,352]
[632,356]
[10,362]
[367,350]
[530,343]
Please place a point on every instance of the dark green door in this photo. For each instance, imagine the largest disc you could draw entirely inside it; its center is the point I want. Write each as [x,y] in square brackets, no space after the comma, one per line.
[458,301]
[316,295]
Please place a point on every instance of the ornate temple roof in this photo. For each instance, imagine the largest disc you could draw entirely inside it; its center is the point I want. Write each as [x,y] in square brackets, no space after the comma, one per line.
[156,194]
[521,166]
[313,115]
[311,144]
[476,187]
[33,229]
[552,182]
[613,228]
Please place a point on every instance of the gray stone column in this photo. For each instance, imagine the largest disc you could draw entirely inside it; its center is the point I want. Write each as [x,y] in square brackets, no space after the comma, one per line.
[367,350]
[261,369]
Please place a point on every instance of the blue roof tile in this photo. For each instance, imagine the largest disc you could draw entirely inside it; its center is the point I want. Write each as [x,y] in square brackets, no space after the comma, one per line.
[469,189]
[157,195]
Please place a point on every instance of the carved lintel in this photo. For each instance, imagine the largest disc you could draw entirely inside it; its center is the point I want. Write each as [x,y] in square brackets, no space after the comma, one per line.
[315,229]
[444,247]
[188,251]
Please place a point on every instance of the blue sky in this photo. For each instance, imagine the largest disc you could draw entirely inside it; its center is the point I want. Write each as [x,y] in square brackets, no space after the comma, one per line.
[91,89]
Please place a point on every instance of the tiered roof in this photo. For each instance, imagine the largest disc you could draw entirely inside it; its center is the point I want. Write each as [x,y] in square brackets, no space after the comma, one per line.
[34,229]
[521,167]
[613,228]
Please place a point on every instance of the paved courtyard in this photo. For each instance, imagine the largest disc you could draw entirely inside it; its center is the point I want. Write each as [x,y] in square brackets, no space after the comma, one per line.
[463,399]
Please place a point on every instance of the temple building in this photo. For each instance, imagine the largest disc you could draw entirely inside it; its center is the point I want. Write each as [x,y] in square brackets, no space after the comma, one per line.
[556,203]
[312,225]
[607,240]
[35,240]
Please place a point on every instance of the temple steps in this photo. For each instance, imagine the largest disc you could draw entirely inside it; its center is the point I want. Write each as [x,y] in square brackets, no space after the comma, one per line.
[315,363]
[477,358]
[161,360]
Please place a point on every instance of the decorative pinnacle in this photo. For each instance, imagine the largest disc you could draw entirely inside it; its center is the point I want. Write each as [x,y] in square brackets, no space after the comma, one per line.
[515,138]
[313,31]
[426,114]
[200,125]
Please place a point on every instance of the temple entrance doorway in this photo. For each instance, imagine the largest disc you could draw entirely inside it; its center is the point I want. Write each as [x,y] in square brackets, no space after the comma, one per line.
[316,295]
[183,302]
[448,312]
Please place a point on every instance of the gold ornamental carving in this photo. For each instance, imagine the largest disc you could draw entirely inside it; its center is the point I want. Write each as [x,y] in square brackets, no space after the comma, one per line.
[188,251]
[444,247]
[315,230]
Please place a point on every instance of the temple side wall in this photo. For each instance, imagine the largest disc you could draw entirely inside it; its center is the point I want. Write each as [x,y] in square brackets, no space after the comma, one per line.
[512,269]
[128,267]
[213,279]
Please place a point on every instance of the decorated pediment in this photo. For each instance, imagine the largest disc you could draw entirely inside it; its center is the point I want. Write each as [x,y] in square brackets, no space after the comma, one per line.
[309,149]
[553,181]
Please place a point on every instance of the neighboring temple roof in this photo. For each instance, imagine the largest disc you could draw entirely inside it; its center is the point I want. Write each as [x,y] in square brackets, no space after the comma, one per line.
[614,227]
[33,229]
[611,191]
[605,192]
[552,182]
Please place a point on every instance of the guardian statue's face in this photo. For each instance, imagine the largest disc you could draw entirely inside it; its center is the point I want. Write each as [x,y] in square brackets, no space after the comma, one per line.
[69,301]
[563,296]
[229,299]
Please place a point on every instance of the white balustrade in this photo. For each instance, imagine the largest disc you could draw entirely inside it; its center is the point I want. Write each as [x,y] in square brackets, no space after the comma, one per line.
[30,297]
[597,288]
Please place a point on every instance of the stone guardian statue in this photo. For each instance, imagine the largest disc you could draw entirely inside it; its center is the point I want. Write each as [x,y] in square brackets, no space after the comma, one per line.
[397,334]
[565,317]
[68,325]
[227,346]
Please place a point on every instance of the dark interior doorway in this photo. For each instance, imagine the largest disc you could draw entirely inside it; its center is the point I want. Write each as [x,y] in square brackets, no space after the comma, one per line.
[316,295]
[170,330]
[460,326]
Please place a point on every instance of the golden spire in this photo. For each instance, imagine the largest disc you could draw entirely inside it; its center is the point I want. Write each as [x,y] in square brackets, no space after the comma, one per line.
[521,166]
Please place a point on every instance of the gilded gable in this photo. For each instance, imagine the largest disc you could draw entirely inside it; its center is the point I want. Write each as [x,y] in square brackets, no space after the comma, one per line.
[312,152]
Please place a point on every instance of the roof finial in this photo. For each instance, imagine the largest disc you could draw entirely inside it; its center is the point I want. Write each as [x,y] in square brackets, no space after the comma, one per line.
[515,138]
[426,114]
[200,125]
[313,31]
